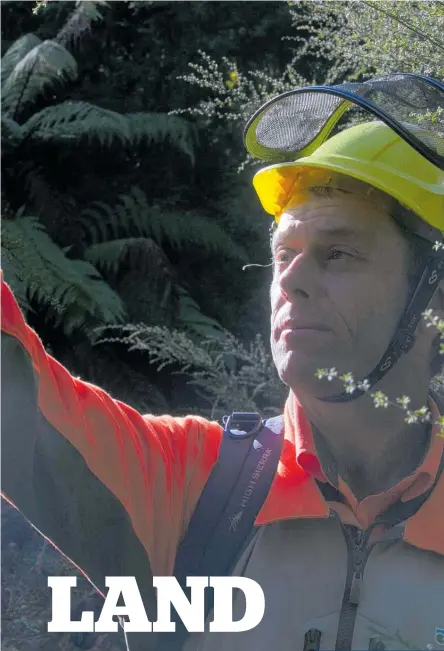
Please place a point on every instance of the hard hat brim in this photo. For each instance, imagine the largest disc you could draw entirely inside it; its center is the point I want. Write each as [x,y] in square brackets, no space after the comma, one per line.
[276,184]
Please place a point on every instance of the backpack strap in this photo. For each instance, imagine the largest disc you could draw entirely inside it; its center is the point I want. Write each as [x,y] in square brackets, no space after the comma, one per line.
[222,524]
[232,497]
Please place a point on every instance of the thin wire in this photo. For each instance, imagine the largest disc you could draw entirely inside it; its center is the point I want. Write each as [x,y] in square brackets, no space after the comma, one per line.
[263,266]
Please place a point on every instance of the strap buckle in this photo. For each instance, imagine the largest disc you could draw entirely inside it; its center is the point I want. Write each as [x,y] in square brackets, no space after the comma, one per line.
[242,424]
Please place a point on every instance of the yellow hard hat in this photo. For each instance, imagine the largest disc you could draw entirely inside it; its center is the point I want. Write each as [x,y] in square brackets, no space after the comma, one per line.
[371,152]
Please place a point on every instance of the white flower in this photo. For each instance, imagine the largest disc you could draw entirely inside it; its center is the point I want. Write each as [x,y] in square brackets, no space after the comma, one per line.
[380,399]
[404,401]
[332,373]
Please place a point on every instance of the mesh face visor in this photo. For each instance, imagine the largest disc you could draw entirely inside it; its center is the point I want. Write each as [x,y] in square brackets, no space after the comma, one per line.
[296,123]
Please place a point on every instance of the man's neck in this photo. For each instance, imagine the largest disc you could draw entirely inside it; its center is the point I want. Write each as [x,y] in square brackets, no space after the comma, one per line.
[371,449]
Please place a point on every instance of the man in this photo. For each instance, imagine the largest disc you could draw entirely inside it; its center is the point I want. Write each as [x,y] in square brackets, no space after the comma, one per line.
[350,544]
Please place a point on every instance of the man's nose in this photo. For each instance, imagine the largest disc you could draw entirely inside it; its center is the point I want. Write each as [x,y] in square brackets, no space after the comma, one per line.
[299,278]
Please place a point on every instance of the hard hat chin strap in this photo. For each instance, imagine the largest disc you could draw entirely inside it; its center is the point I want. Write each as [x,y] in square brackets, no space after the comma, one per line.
[402,342]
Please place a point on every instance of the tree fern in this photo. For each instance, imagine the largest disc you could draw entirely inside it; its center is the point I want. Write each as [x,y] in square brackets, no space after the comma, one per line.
[145,255]
[137,252]
[12,135]
[69,122]
[109,255]
[194,321]
[161,127]
[179,228]
[36,267]
[13,272]
[42,69]
[15,53]
[79,22]
[146,281]
[45,199]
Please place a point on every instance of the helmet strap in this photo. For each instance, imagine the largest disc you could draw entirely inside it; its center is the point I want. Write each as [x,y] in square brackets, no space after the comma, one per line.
[402,342]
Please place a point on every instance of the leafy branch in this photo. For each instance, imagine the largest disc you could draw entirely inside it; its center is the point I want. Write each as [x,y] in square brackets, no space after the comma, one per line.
[405,23]
[224,372]
[380,399]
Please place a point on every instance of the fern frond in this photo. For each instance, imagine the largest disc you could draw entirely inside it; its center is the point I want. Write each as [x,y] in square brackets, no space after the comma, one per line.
[162,127]
[99,223]
[193,320]
[179,229]
[12,134]
[90,8]
[138,252]
[15,53]
[38,268]
[39,193]
[146,278]
[90,297]
[12,269]
[69,122]
[80,21]
[41,69]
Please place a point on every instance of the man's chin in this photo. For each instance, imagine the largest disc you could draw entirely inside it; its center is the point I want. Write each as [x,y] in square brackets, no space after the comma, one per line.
[299,374]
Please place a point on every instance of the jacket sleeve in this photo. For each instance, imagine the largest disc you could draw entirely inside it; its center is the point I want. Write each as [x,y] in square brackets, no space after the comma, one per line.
[113,490]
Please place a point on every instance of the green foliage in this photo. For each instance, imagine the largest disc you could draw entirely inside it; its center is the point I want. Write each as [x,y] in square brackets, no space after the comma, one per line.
[90,9]
[110,255]
[152,128]
[192,320]
[41,68]
[395,36]
[80,20]
[77,161]
[16,53]
[12,134]
[223,371]
[36,268]
[357,39]
[233,94]
[179,228]
[71,122]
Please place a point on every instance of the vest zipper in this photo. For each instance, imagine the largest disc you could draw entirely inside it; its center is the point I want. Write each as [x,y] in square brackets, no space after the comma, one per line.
[357,554]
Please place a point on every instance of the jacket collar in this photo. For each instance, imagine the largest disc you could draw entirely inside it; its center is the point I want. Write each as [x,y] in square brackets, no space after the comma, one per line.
[295,492]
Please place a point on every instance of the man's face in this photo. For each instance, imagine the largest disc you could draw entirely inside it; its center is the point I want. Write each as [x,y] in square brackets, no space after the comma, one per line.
[340,286]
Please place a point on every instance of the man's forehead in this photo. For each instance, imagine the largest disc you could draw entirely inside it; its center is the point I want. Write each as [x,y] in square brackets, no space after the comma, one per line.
[296,229]
[332,217]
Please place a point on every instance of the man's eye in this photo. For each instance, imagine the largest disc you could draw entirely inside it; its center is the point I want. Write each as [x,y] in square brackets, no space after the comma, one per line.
[283,255]
[337,254]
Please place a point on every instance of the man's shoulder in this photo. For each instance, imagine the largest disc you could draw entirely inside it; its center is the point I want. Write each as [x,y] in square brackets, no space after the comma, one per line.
[190,425]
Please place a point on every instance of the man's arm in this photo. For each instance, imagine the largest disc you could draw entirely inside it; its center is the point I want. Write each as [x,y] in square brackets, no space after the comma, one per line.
[112,489]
